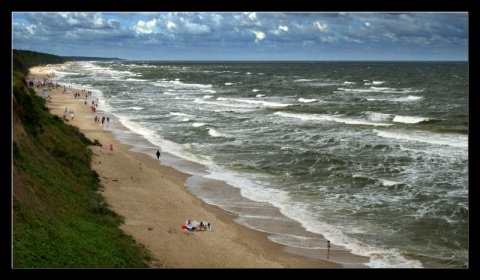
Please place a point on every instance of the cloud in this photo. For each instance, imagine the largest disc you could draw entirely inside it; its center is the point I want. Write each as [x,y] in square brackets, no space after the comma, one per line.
[148,27]
[258,36]
[321,26]
[319,35]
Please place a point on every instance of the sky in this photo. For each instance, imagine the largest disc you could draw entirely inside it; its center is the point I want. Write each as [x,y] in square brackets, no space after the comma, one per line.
[246,36]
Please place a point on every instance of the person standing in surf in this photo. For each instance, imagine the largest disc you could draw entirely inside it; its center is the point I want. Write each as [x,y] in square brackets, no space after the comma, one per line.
[158,154]
[329,246]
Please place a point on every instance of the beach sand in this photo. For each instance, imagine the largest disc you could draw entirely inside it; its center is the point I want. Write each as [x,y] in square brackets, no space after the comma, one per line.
[155,204]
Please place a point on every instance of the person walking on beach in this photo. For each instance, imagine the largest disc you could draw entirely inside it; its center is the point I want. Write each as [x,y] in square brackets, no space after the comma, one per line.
[158,154]
[329,246]
[140,167]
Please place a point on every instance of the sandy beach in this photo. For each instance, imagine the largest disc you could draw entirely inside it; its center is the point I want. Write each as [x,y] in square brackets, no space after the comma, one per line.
[155,203]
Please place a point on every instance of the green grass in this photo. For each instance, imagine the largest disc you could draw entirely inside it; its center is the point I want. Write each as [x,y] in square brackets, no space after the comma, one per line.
[60,218]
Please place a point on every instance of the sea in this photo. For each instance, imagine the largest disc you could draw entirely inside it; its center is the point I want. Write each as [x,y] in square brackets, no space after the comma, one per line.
[370,155]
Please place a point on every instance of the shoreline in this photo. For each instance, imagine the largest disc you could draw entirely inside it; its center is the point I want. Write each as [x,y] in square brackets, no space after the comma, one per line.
[155,203]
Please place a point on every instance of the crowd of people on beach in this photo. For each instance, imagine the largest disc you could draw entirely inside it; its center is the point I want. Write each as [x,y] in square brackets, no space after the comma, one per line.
[46,84]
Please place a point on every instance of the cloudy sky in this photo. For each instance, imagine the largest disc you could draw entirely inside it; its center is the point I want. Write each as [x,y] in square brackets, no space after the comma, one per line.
[312,36]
